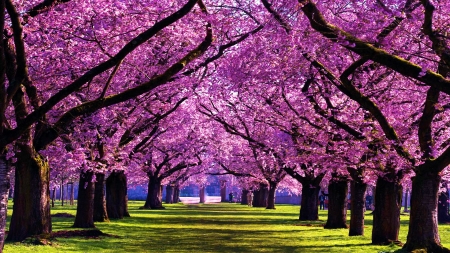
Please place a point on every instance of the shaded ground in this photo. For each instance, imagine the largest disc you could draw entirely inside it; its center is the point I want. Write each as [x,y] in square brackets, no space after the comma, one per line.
[87,234]
[48,239]
[221,228]
[63,215]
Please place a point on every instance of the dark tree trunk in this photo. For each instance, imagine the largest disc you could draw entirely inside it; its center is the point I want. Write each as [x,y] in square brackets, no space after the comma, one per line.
[53,196]
[388,204]
[309,203]
[154,195]
[68,194]
[116,195]
[337,203]
[244,200]
[169,194]
[260,196]
[176,194]
[85,206]
[72,194]
[358,207]
[100,213]
[223,191]
[31,210]
[202,194]
[5,172]
[423,226]
[443,215]
[405,207]
[271,195]
[11,190]
[62,193]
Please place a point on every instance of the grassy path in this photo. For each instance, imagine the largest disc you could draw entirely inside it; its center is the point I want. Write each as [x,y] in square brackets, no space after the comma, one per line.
[215,228]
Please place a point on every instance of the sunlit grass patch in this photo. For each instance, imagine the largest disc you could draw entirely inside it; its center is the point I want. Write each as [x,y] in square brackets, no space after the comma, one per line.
[224,227]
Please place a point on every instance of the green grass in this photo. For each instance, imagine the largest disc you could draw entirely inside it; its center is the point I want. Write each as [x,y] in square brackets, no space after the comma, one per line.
[215,228]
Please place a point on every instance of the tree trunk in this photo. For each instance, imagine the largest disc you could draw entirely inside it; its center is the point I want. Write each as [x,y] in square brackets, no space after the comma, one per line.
[116,195]
[202,194]
[260,196]
[169,194]
[154,195]
[62,193]
[85,206]
[223,191]
[337,204]
[309,203]
[443,215]
[176,194]
[72,194]
[405,207]
[358,207]
[67,194]
[244,200]
[271,195]
[100,213]
[423,226]
[386,216]
[53,196]
[31,210]
[5,172]
[11,189]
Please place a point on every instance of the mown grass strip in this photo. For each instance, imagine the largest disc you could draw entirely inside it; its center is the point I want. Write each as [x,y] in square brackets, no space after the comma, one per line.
[220,227]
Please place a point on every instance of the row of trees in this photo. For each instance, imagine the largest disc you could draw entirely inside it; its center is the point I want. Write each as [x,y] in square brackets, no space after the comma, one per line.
[278,94]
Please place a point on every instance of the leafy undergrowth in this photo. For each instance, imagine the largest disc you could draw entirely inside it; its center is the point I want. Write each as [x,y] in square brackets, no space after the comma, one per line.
[221,227]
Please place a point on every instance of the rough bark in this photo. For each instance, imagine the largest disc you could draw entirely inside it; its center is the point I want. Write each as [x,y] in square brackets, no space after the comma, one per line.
[337,203]
[309,203]
[223,191]
[202,194]
[244,200]
[61,195]
[100,213]
[443,210]
[85,206]
[386,216]
[11,191]
[358,207]
[260,196]
[154,195]
[176,194]
[271,195]
[405,207]
[72,194]
[53,196]
[116,195]
[169,194]
[423,226]
[5,172]
[31,210]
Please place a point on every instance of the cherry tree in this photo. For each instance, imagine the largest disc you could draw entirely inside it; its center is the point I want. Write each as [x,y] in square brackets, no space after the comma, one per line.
[424,154]
[32,61]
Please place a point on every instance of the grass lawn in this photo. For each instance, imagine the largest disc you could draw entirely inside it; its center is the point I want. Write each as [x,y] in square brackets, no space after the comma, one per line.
[220,227]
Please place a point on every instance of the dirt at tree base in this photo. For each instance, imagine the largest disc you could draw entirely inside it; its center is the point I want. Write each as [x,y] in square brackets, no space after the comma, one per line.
[310,225]
[88,234]
[48,239]
[63,215]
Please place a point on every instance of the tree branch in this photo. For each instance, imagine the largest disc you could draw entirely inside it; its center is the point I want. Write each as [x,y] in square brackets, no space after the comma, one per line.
[3,93]
[127,49]
[92,106]
[277,16]
[46,5]
[366,50]
[20,56]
